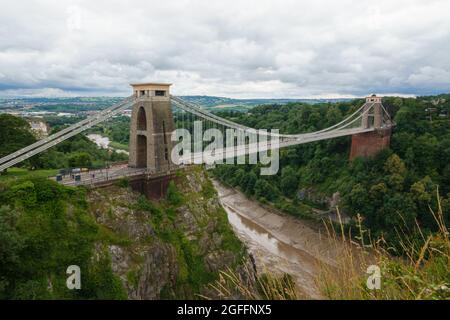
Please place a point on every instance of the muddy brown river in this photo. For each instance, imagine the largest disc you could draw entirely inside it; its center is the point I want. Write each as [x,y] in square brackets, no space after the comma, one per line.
[279,243]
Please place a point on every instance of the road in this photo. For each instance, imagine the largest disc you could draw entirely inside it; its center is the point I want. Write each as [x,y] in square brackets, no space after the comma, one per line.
[92,176]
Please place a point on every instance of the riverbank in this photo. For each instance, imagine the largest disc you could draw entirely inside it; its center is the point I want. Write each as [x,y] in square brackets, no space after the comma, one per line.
[278,242]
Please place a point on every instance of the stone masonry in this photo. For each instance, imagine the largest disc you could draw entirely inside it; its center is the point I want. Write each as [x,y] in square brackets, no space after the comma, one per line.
[368,144]
[151,128]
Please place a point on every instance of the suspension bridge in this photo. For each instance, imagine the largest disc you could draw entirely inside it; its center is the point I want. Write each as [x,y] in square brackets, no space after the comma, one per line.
[152,125]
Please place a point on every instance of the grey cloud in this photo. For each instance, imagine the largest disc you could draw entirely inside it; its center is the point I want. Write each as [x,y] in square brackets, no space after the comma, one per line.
[235,48]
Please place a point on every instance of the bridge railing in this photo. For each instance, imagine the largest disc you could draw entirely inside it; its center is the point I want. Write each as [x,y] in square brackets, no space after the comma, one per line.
[89,180]
[115,175]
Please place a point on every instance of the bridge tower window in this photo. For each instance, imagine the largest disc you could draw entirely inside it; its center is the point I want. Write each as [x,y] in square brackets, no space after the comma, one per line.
[160,93]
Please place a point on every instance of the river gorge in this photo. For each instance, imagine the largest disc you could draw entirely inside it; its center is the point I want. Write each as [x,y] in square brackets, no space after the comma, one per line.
[278,242]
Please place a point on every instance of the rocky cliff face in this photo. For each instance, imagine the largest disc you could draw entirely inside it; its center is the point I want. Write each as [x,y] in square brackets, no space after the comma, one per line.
[168,249]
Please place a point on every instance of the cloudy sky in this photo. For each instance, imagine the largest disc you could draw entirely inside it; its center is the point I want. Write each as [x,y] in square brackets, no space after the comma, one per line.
[243,48]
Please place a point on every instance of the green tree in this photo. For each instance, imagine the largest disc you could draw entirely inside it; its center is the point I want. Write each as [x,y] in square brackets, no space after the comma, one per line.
[238,176]
[45,227]
[357,200]
[289,181]
[396,170]
[10,246]
[426,150]
[399,213]
[173,195]
[80,159]
[15,133]
[265,190]
[251,181]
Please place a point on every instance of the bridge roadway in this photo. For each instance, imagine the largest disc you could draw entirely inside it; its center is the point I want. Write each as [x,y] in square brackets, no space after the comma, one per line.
[109,175]
[340,129]
[241,150]
[121,170]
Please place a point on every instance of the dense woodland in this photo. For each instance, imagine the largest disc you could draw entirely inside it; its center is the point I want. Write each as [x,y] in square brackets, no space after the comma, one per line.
[44,226]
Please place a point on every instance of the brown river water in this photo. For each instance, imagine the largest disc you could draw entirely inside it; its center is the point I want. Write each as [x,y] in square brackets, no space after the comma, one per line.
[278,242]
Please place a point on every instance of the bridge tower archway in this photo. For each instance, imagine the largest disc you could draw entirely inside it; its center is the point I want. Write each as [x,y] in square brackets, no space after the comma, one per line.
[141,151]
[141,119]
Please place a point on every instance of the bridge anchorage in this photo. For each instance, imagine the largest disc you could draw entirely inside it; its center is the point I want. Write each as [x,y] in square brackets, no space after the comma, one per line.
[152,124]
[368,144]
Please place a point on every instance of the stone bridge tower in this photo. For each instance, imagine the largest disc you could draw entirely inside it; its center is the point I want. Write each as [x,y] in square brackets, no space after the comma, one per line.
[151,128]
[367,144]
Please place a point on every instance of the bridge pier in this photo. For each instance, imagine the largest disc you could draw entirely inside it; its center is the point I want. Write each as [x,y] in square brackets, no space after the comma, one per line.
[368,144]
[153,188]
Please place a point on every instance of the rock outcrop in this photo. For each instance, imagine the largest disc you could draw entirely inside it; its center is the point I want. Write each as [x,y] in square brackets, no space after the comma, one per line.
[164,250]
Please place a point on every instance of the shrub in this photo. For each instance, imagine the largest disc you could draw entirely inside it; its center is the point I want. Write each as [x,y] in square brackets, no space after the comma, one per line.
[122,183]
[174,197]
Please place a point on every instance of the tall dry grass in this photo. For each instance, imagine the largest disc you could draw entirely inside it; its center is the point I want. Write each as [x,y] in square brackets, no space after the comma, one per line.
[247,286]
[423,272]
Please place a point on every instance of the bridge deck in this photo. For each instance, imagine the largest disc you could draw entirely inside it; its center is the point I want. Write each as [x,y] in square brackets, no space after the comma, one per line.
[337,130]
[102,176]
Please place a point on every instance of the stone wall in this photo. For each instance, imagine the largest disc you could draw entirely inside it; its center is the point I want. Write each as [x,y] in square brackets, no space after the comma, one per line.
[152,188]
[156,136]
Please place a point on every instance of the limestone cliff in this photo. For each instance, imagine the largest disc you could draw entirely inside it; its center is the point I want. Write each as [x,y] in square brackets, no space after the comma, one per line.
[171,248]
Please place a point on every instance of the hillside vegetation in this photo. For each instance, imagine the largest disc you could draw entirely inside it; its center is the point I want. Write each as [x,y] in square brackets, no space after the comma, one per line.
[44,228]
[392,190]
[422,273]
[126,246]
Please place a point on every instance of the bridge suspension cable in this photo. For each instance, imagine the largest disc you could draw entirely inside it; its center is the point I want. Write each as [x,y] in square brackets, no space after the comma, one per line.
[64,134]
[192,110]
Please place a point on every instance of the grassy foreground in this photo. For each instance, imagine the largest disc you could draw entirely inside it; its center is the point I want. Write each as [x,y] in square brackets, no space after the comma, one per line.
[16,173]
[423,272]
